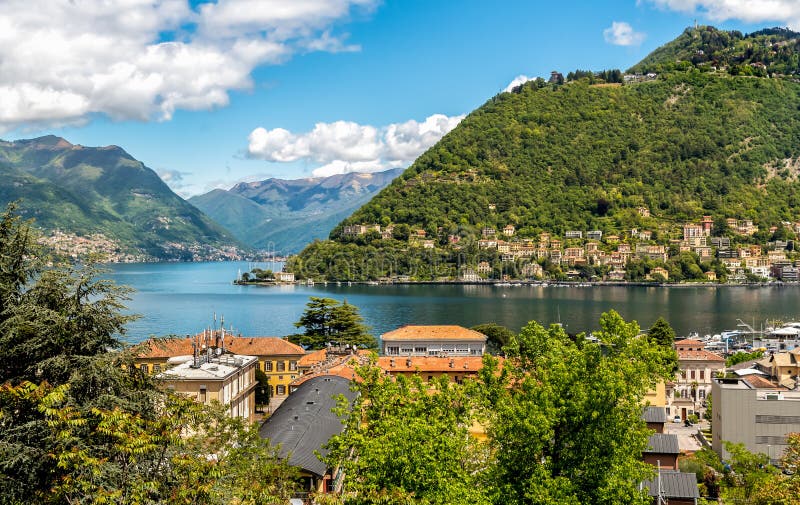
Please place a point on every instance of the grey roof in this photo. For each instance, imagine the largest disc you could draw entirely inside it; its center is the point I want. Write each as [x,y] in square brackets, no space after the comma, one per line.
[654,415]
[304,421]
[674,484]
[662,443]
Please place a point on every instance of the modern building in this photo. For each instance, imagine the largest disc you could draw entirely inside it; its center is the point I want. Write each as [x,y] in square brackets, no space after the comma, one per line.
[303,424]
[212,375]
[755,412]
[696,367]
[441,340]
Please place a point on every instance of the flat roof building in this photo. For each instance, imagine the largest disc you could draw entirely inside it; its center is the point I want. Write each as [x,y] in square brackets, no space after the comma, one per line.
[755,412]
[227,378]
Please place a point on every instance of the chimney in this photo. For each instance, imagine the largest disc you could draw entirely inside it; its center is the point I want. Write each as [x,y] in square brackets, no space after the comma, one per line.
[408,362]
[452,363]
[195,355]
[391,362]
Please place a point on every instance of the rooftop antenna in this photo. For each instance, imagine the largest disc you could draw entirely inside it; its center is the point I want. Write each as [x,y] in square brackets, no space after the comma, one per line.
[660,497]
[195,356]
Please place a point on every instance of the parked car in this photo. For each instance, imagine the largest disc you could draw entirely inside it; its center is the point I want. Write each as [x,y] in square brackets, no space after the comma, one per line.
[677,419]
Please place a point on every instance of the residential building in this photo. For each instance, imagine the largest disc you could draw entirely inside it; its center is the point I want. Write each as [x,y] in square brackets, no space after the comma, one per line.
[594,235]
[509,230]
[212,375]
[303,424]
[484,268]
[691,231]
[573,234]
[277,357]
[721,242]
[755,412]
[468,275]
[696,367]
[530,270]
[456,368]
[782,367]
[438,340]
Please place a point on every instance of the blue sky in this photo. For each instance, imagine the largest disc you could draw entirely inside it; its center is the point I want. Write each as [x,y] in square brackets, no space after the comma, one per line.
[209,94]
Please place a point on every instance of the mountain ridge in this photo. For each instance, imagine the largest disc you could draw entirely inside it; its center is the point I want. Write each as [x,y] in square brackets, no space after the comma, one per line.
[653,153]
[106,192]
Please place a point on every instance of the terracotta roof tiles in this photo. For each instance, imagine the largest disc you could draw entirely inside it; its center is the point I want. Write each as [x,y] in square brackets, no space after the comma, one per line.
[430,364]
[699,355]
[247,346]
[433,332]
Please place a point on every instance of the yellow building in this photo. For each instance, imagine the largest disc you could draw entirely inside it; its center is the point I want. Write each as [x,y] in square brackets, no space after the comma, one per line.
[227,378]
[277,357]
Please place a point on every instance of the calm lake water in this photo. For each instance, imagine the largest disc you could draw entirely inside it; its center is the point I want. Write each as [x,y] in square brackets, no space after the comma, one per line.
[181,298]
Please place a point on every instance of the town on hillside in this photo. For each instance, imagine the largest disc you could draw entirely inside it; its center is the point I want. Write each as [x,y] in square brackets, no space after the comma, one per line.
[715,251]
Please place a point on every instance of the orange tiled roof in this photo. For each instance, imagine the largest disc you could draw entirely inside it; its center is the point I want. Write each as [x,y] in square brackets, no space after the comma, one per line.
[312,358]
[430,364]
[688,341]
[759,382]
[699,355]
[247,346]
[433,332]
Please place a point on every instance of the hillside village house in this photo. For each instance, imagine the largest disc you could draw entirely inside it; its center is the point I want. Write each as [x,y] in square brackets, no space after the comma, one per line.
[439,340]
[276,357]
[696,367]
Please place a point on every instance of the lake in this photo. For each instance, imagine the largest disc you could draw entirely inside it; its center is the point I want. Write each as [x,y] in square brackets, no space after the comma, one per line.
[182,298]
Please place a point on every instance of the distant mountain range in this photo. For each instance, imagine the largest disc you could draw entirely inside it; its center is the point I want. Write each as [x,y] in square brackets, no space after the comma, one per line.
[103,190]
[286,215]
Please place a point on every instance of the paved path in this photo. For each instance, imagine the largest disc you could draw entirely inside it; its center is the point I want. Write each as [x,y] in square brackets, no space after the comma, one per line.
[687,442]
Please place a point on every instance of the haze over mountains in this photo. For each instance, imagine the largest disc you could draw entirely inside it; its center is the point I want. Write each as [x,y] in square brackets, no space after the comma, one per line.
[285,215]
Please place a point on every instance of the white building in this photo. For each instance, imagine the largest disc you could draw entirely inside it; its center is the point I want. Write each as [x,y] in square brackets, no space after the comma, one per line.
[440,340]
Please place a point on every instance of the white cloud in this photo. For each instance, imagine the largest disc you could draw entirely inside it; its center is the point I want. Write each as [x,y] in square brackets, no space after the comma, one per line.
[621,33]
[345,146]
[520,79]
[750,11]
[63,60]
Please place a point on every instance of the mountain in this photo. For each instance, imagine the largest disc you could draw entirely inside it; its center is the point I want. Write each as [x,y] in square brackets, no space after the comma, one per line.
[652,154]
[106,194]
[285,215]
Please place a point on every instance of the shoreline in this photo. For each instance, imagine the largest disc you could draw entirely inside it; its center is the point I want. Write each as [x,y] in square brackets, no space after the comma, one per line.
[544,284]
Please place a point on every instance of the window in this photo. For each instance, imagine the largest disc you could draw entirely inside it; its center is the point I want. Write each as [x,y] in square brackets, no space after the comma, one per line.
[144,368]
[420,350]
[293,365]
[430,378]
[683,374]
[268,366]
[156,368]
[281,390]
[280,377]
[702,394]
[702,374]
[406,350]
[393,350]
[281,366]
[692,374]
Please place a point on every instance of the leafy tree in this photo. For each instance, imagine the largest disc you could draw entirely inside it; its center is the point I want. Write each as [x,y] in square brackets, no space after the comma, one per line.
[498,336]
[262,389]
[408,442]
[662,334]
[564,415]
[741,357]
[327,321]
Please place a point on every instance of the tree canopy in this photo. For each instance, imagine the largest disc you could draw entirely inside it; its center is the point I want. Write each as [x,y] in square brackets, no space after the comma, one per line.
[326,320]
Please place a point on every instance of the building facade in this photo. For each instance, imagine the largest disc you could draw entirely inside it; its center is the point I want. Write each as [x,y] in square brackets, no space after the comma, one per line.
[755,412]
[227,378]
[441,340]
[696,368]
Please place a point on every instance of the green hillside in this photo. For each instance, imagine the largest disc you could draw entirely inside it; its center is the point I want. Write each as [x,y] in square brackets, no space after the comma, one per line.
[103,190]
[550,158]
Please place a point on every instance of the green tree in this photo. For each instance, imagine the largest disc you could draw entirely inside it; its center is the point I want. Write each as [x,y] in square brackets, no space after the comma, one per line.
[497,336]
[565,415]
[329,321]
[662,334]
[262,389]
[408,442]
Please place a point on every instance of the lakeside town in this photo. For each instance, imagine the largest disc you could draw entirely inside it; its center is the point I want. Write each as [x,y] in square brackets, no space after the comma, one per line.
[297,390]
